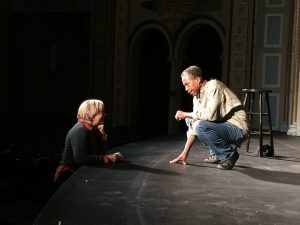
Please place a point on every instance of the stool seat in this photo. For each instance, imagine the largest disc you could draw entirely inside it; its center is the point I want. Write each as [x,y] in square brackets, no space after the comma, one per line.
[249,104]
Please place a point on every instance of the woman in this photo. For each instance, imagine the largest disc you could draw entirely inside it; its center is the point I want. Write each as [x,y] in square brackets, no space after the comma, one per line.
[84,140]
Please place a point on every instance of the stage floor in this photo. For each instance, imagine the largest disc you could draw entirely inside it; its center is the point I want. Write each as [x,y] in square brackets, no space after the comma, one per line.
[145,189]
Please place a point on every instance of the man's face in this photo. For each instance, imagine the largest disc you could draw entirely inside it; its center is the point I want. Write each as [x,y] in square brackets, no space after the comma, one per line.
[191,85]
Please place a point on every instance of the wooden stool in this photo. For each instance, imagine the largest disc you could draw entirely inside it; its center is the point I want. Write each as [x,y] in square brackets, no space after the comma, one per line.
[249,103]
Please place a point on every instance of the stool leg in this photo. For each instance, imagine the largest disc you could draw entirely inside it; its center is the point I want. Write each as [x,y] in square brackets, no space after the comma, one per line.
[245,100]
[260,126]
[270,121]
[251,110]
[246,104]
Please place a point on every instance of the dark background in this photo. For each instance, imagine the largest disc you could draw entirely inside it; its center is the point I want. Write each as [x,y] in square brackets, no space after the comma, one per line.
[49,67]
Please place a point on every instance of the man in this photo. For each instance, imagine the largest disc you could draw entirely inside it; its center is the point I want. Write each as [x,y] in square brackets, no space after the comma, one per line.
[218,119]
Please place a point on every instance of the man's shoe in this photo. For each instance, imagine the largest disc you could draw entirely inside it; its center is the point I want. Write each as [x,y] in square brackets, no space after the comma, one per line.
[212,159]
[229,163]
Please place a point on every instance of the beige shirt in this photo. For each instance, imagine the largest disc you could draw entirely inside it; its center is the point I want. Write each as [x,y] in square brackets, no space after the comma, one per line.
[216,102]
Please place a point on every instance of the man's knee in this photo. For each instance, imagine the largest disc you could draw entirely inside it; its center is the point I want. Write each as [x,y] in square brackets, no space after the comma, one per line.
[201,124]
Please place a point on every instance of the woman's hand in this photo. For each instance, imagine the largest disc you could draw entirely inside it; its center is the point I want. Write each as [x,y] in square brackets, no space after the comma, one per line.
[112,158]
[102,132]
[101,128]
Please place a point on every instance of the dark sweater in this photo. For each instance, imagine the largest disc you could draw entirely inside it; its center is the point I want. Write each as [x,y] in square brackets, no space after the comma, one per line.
[82,146]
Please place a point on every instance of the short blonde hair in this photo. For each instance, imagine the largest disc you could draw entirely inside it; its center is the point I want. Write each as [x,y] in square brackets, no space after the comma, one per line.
[89,109]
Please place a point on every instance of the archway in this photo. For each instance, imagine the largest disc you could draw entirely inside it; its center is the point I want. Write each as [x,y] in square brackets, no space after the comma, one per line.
[204,48]
[150,80]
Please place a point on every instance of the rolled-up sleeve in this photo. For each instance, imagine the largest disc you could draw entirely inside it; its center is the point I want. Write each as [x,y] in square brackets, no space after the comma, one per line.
[190,132]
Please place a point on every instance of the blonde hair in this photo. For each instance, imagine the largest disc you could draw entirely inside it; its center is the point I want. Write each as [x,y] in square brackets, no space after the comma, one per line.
[89,109]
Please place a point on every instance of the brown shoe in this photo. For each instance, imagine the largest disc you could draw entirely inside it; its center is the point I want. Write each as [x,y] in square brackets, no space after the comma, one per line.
[212,159]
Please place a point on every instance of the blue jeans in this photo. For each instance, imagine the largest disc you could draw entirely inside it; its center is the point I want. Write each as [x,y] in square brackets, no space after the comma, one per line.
[189,122]
[219,137]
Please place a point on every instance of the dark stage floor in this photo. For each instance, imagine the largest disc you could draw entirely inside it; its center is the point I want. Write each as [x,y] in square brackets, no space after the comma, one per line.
[146,189]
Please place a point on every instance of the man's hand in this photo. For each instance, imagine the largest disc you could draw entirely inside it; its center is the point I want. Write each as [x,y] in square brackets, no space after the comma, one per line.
[180,115]
[179,159]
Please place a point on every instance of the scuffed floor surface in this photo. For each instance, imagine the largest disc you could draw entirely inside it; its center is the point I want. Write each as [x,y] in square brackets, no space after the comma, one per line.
[145,189]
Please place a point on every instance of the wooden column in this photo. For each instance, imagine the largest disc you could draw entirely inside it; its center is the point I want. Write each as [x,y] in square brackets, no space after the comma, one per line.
[295,73]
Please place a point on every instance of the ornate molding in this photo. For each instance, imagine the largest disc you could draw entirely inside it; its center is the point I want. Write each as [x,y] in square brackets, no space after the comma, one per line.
[172,12]
[50,5]
[97,56]
[119,97]
[238,53]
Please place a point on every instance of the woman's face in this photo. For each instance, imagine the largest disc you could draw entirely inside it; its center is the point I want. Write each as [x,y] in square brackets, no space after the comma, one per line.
[98,119]
[191,85]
